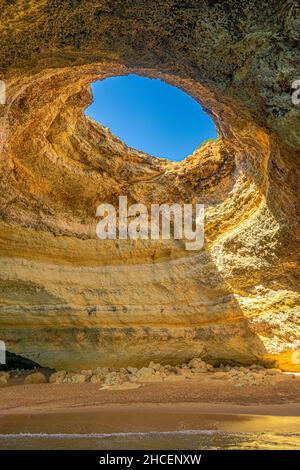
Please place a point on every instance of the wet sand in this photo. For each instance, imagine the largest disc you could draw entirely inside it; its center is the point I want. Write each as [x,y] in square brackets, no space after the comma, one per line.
[152,426]
[197,414]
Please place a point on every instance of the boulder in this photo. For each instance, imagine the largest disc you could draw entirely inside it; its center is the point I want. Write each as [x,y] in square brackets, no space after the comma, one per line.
[155,366]
[78,379]
[220,375]
[170,370]
[3,381]
[4,374]
[57,377]
[197,363]
[198,371]
[113,378]
[132,378]
[101,371]
[87,373]
[153,379]
[96,379]
[144,374]
[187,373]
[36,378]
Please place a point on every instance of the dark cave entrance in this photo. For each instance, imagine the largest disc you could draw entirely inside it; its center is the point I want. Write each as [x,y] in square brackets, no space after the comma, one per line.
[15,361]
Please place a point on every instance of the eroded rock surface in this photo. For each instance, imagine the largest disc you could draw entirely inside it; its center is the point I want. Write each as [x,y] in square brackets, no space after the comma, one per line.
[69,300]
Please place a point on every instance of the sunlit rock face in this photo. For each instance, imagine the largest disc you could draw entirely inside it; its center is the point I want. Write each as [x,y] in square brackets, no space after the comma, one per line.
[70,300]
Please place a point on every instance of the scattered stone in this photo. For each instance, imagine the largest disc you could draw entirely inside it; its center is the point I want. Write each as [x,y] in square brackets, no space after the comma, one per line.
[67,379]
[144,372]
[187,373]
[57,377]
[154,378]
[113,378]
[197,363]
[132,376]
[4,374]
[156,367]
[78,379]
[249,375]
[170,370]
[3,381]
[101,371]
[220,375]
[198,371]
[179,371]
[260,373]
[35,378]
[257,367]
[96,379]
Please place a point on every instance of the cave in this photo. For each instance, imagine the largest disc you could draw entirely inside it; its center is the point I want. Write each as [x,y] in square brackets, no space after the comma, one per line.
[16,362]
[237,300]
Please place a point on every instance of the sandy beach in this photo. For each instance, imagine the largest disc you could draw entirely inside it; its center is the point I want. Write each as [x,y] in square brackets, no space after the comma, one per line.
[202,391]
[190,414]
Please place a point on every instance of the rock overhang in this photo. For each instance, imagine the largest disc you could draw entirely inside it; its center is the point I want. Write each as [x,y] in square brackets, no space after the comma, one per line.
[57,165]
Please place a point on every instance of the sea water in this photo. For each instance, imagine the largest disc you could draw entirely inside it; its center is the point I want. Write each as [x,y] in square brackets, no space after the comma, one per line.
[125,431]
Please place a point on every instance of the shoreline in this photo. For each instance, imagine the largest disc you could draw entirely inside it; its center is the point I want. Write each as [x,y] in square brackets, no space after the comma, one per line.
[203,412]
[157,424]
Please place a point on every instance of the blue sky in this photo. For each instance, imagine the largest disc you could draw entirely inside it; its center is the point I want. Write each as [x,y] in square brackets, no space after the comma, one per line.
[150,115]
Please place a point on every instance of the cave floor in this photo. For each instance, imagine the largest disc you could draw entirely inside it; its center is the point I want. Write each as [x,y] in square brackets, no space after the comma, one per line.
[269,397]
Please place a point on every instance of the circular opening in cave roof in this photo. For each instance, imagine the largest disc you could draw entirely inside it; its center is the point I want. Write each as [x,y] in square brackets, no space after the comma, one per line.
[151,116]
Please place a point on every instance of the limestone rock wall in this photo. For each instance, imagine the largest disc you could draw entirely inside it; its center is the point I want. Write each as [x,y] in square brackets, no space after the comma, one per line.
[69,300]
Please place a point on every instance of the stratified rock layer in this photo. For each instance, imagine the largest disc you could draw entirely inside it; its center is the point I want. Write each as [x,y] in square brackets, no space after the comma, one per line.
[69,300]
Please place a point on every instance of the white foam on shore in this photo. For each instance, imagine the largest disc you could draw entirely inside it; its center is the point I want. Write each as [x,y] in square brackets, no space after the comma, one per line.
[184,432]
